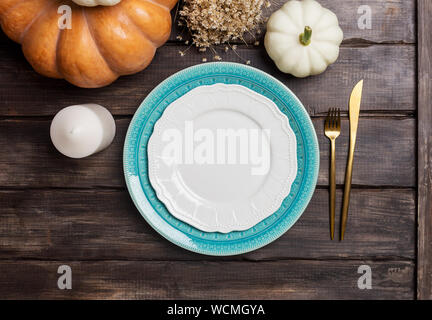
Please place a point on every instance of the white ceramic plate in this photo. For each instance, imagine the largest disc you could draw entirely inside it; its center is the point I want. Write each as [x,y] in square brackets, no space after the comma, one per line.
[222,158]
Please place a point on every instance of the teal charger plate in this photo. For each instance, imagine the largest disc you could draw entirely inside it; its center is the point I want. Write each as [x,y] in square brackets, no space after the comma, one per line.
[213,243]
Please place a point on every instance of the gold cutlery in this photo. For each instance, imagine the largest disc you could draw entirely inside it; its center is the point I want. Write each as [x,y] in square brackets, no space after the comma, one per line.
[332,129]
[354,111]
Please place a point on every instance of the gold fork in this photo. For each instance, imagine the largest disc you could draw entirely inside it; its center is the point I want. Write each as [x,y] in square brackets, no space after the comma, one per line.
[332,131]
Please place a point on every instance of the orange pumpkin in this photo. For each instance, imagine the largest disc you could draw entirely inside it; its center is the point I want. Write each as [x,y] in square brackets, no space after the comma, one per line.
[102,44]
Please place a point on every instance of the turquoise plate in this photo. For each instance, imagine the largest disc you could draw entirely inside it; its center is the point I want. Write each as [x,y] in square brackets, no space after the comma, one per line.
[154,211]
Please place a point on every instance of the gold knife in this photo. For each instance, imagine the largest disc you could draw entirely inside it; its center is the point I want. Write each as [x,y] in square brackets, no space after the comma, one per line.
[354,111]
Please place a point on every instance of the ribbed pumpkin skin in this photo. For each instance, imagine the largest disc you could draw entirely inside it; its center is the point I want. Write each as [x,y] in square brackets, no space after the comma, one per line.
[103,44]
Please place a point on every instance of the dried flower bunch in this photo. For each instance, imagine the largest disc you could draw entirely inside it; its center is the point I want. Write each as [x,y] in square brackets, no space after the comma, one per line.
[213,22]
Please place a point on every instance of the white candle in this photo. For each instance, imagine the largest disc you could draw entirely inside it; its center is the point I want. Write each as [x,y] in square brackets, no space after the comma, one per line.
[82,130]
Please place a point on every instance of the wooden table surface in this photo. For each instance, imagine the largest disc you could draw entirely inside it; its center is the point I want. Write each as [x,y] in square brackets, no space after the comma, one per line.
[55,210]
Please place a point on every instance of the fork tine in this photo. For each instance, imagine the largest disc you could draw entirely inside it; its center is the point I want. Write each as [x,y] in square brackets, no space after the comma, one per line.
[330,117]
[337,117]
[333,118]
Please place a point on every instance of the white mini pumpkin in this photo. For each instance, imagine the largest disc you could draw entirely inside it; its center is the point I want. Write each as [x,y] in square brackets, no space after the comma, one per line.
[303,38]
[94,3]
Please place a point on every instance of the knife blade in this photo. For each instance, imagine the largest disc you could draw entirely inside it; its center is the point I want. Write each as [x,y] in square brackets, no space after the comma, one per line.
[354,112]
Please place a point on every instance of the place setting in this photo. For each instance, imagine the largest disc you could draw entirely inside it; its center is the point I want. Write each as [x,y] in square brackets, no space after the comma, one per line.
[222,158]
[228,161]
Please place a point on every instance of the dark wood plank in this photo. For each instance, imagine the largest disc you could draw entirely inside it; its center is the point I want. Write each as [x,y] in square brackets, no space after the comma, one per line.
[93,225]
[207,280]
[392,21]
[385,156]
[424,268]
[388,71]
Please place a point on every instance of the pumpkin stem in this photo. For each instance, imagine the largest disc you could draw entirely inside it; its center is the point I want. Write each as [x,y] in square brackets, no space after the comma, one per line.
[305,37]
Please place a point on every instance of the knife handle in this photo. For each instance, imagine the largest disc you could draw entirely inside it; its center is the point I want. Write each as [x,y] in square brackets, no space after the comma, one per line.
[347,191]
